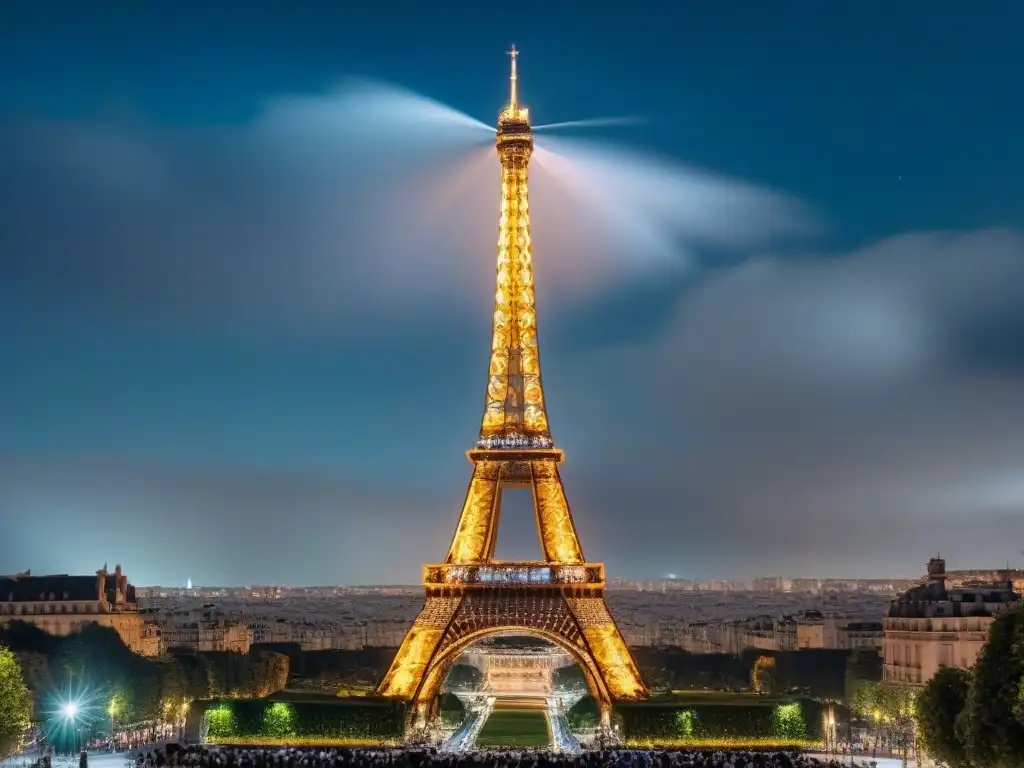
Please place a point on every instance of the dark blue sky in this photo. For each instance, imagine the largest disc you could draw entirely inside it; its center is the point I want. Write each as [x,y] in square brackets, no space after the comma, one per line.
[243,340]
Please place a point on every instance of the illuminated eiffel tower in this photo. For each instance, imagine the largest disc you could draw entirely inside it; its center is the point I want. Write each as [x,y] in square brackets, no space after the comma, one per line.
[472,596]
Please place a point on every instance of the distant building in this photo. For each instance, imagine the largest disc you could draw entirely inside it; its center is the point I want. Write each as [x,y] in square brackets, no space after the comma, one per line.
[975,577]
[62,605]
[204,630]
[936,625]
[815,631]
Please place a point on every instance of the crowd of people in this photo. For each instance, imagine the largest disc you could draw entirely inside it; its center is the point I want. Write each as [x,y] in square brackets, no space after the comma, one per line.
[230,757]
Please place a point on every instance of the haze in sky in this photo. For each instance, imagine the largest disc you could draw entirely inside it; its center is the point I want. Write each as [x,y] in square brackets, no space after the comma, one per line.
[247,255]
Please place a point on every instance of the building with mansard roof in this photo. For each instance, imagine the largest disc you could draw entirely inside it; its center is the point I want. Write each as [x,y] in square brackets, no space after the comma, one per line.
[935,625]
[62,605]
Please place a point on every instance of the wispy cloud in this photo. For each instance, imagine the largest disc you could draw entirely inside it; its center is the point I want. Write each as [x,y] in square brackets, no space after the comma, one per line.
[369,197]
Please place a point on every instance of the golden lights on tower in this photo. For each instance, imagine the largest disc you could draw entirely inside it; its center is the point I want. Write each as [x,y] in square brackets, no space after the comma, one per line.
[515,397]
[473,595]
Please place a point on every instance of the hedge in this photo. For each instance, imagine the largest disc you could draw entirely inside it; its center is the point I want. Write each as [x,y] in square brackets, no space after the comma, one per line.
[350,723]
[743,723]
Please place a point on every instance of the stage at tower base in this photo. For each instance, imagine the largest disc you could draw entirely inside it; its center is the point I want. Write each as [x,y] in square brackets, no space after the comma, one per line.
[471,595]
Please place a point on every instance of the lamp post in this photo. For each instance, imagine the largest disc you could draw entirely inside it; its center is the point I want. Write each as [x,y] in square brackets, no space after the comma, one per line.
[184,718]
[168,714]
[70,712]
[112,710]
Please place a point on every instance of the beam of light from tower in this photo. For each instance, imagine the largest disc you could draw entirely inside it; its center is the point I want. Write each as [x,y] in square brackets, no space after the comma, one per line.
[369,195]
[596,122]
[364,115]
[631,212]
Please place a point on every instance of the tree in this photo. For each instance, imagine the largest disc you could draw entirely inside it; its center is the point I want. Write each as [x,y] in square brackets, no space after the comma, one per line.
[195,673]
[890,709]
[451,709]
[762,675]
[863,665]
[464,677]
[993,732]
[570,679]
[269,672]
[938,707]
[15,704]
[583,714]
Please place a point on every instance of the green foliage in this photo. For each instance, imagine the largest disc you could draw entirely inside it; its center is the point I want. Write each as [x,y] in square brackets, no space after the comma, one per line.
[862,666]
[570,679]
[938,707]
[97,659]
[583,714]
[992,730]
[15,704]
[221,721]
[452,710]
[1019,707]
[762,675]
[819,673]
[279,720]
[464,677]
[675,669]
[195,675]
[362,721]
[687,723]
[788,722]
[768,722]
[888,708]
[332,670]
[815,673]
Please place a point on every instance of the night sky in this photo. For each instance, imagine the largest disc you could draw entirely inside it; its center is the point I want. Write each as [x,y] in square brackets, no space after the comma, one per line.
[244,316]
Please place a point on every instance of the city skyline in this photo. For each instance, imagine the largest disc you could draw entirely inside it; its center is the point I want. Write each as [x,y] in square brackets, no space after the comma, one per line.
[228,355]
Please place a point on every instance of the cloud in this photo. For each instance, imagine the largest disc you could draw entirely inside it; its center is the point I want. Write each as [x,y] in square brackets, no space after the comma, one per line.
[370,199]
[828,414]
[837,414]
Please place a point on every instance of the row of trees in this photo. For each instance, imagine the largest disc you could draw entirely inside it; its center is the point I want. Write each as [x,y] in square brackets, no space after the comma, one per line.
[823,674]
[95,669]
[975,718]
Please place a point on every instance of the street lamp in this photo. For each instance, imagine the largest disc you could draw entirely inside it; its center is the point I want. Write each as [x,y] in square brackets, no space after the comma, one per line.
[112,710]
[69,710]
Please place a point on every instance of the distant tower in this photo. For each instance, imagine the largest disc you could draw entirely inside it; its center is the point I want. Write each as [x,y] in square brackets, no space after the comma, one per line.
[188,585]
[937,572]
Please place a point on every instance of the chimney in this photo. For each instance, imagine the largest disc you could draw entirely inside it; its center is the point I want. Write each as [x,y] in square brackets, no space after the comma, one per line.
[937,572]
[120,584]
[101,582]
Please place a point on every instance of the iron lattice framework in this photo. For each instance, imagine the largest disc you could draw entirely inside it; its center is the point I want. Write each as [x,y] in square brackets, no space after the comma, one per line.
[471,595]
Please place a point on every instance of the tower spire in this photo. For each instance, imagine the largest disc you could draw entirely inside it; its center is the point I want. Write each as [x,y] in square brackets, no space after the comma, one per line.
[513,81]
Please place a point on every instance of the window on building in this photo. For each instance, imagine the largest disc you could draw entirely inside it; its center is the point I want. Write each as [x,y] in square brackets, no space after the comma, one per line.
[946,655]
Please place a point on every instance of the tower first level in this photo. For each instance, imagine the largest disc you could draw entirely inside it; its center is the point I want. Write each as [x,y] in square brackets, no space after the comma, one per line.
[471,595]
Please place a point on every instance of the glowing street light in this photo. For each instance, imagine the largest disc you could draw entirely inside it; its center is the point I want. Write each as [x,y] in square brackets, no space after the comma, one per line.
[69,710]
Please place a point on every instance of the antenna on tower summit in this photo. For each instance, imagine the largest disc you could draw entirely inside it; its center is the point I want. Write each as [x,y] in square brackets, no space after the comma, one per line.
[513,80]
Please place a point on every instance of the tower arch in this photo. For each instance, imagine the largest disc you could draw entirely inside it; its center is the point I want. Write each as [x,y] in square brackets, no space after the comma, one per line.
[434,678]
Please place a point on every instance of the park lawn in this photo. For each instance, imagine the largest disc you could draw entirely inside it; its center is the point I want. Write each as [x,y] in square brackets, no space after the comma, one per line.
[515,728]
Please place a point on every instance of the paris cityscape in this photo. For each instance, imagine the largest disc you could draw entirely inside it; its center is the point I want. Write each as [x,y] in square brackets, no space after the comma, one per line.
[763,510]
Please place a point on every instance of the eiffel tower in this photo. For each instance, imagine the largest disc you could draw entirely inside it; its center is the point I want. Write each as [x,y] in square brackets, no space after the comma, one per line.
[471,595]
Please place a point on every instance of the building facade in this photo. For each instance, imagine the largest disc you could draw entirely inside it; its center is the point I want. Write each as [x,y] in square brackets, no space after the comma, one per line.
[935,625]
[62,605]
[205,629]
